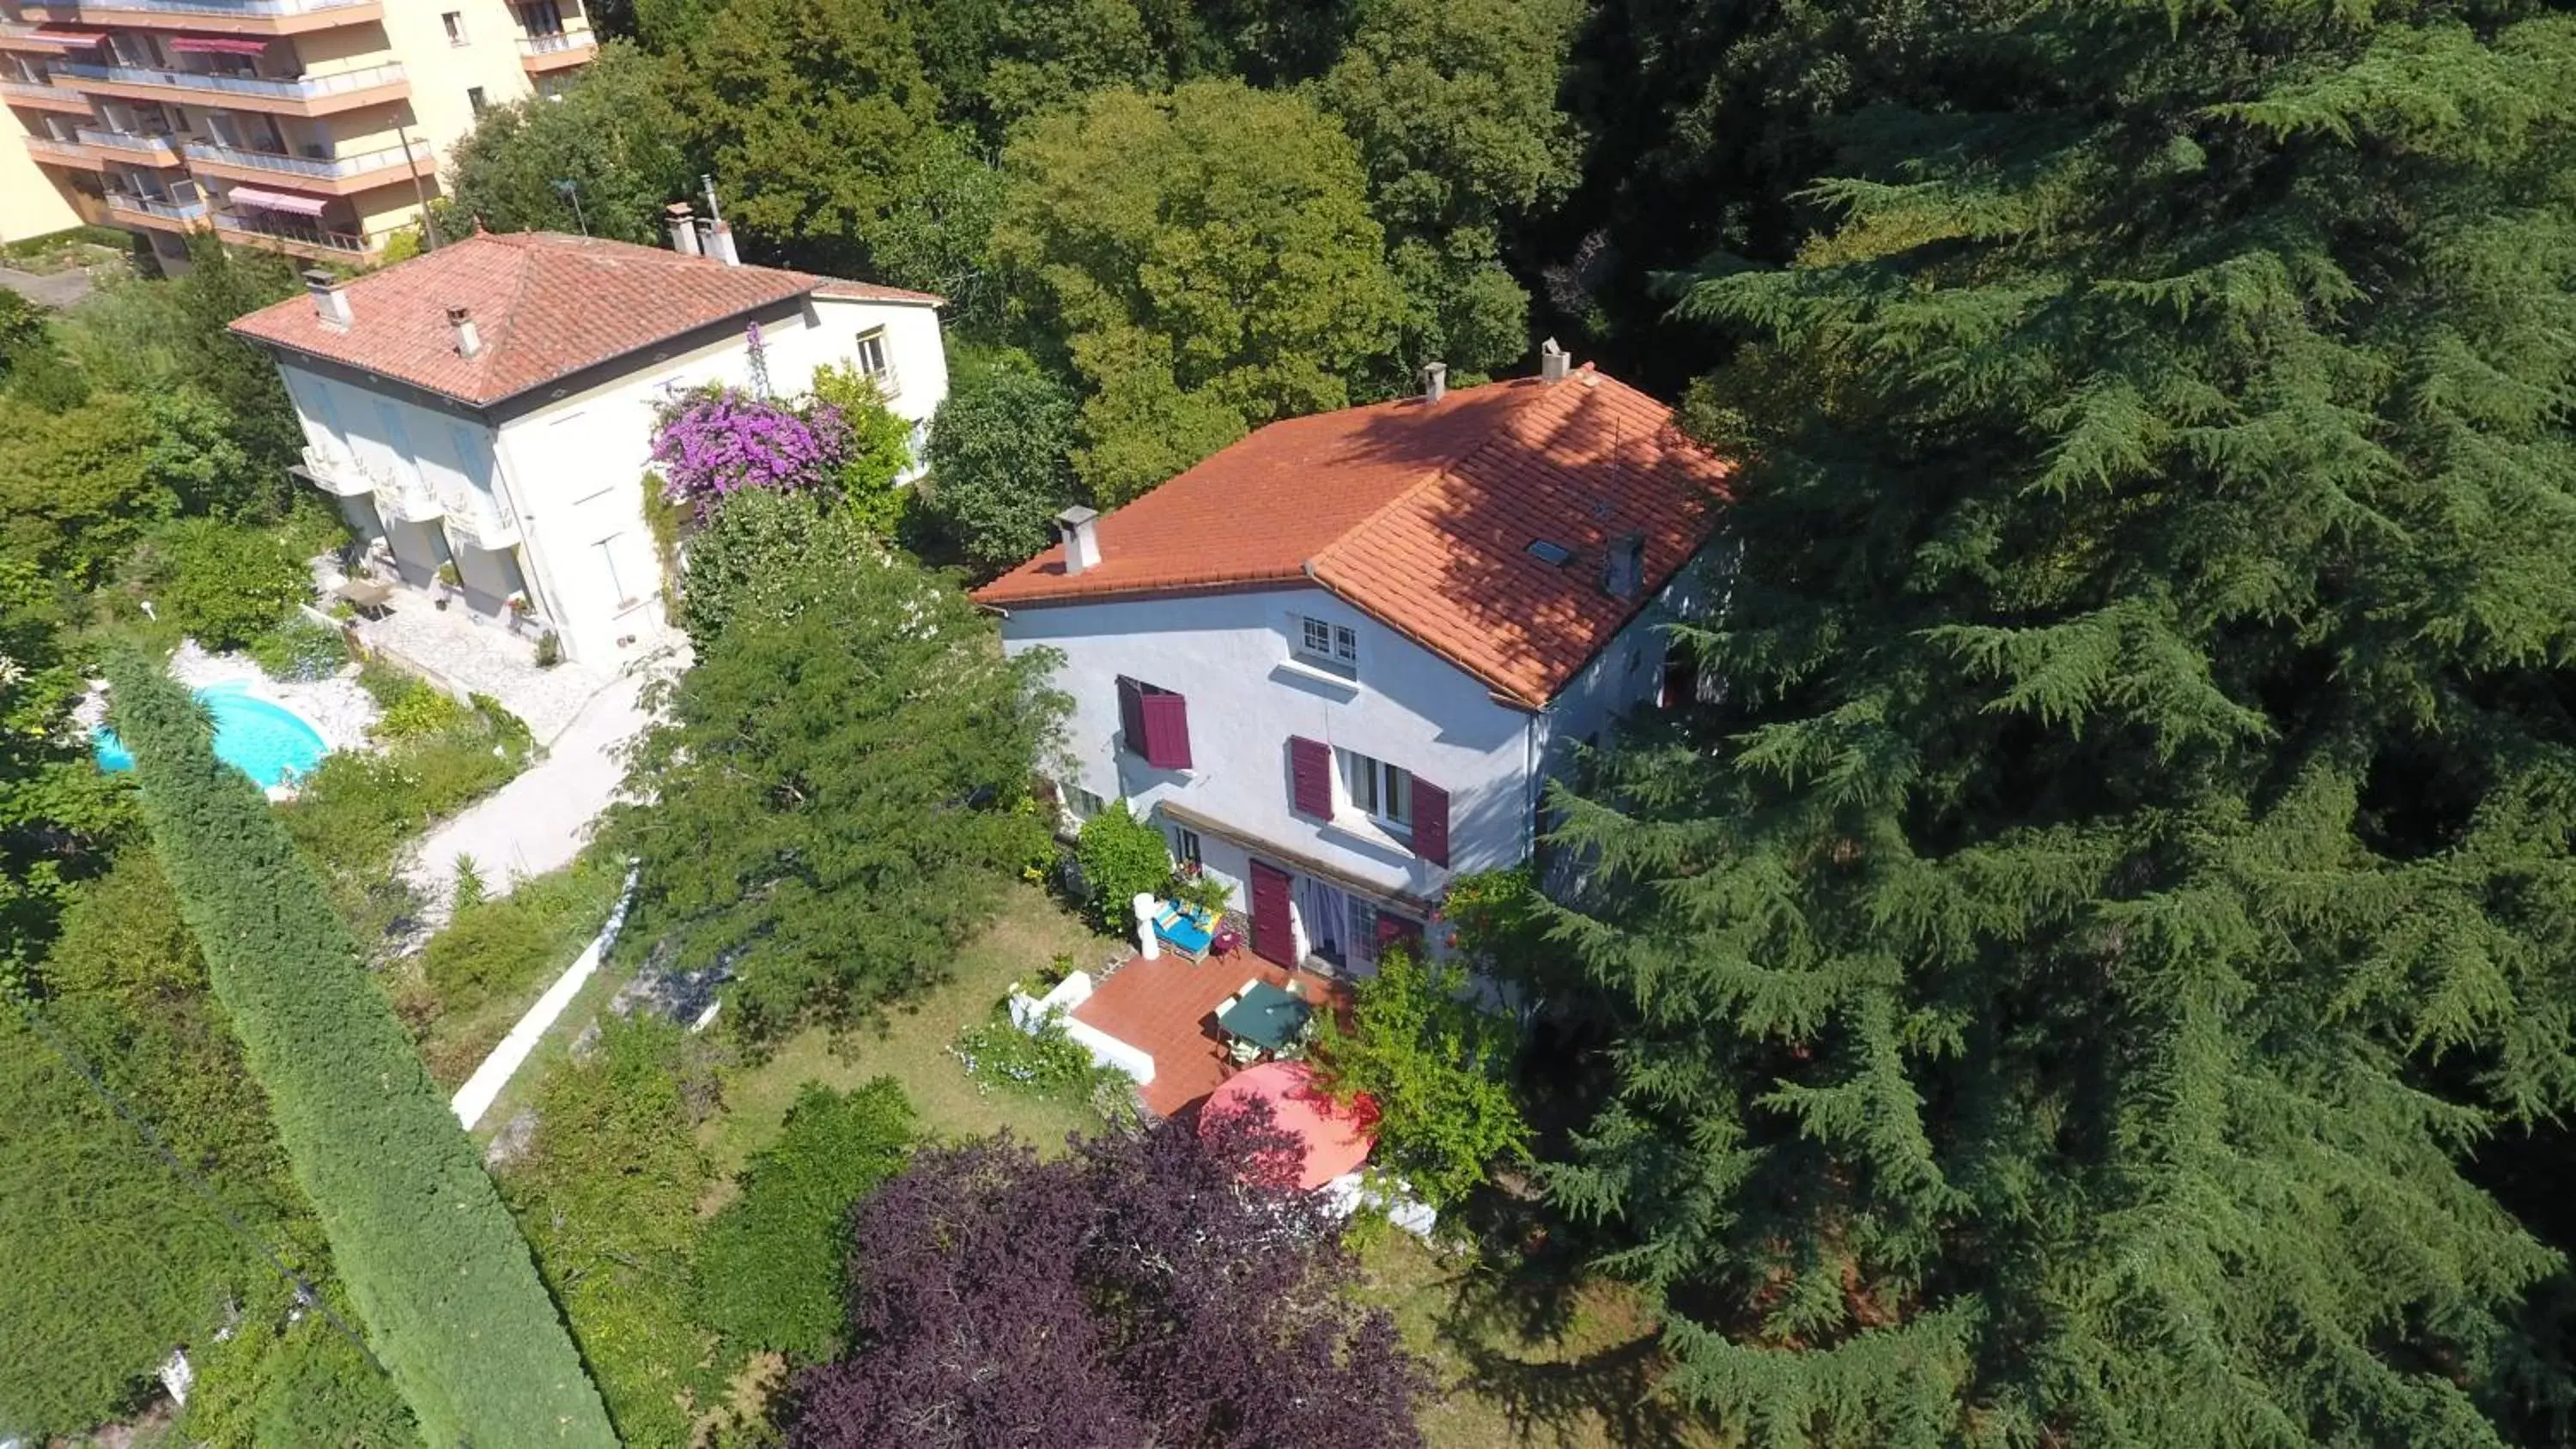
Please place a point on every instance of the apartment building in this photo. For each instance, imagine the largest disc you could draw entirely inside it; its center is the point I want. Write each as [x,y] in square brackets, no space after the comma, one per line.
[311,127]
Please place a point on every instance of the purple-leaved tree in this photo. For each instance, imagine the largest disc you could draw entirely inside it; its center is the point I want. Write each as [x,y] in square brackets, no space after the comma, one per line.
[1162,1289]
[712,441]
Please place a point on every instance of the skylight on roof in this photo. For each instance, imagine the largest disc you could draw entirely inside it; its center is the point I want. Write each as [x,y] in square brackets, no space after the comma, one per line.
[1555,553]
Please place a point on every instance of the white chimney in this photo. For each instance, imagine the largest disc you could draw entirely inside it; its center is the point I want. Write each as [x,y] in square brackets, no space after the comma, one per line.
[719,243]
[330,298]
[1081,529]
[469,338]
[1435,383]
[1623,571]
[684,228]
[1552,361]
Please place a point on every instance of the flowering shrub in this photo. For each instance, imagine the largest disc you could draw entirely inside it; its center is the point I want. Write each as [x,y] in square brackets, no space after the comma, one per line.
[712,441]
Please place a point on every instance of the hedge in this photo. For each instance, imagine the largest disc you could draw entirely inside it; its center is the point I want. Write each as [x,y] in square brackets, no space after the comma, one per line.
[451,1300]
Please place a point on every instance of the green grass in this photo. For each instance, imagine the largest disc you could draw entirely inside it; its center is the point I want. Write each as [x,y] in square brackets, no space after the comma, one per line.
[1525,1358]
[911,1046]
[511,950]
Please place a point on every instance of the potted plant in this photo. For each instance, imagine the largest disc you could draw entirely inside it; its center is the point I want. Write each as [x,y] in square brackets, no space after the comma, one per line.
[449,582]
[523,615]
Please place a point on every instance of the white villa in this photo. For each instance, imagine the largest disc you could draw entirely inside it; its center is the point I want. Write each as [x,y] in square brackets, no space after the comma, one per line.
[489,405]
[1337,662]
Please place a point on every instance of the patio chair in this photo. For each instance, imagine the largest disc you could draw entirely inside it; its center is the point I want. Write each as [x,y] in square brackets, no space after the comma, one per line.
[1188,932]
[1242,1052]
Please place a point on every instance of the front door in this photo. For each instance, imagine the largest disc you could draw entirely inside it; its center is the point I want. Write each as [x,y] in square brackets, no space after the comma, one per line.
[1274,936]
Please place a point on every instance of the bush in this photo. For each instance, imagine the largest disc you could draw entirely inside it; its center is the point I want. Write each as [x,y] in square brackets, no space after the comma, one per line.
[424,710]
[276,1381]
[1121,856]
[1438,1070]
[769,1269]
[300,649]
[445,1286]
[494,946]
[221,582]
[1045,1063]
[356,808]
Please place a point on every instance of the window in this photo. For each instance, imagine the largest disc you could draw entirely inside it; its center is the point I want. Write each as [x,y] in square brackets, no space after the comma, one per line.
[607,548]
[454,20]
[1078,804]
[1377,790]
[474,98]
[1185,849]
[1156,724]
[870,350]
[1328,645]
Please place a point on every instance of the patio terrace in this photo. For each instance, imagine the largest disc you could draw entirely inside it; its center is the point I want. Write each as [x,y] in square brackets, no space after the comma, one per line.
[1166,1007]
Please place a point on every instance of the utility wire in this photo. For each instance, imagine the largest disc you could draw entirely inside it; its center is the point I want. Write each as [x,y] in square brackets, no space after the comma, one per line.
[304,1291]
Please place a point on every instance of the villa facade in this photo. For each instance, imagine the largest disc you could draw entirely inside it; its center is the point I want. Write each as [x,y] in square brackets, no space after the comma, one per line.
[487,409]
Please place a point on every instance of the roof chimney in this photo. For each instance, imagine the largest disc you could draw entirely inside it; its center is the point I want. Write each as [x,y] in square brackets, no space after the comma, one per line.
[1435,383]
[469,338]
[1552,361]
[1081,529]
[1623,571]
[719,242]
[330,298]
[684,229]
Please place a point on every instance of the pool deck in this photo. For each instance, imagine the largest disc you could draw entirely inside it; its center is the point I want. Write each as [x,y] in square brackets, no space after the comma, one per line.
[339,711]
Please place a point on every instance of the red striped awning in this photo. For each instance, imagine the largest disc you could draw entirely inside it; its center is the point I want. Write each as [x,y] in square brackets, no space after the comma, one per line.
[218,45]
[276,200]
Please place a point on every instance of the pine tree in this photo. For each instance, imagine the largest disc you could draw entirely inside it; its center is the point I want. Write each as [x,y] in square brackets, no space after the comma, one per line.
[2128,868]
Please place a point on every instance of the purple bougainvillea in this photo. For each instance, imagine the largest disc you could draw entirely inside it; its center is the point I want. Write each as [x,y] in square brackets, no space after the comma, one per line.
[1162,1289]
[715,441]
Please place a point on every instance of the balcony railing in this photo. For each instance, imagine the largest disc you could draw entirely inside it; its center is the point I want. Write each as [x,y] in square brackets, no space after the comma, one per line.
[31,89]
[49,148]
[478,527]
[408,501]
[327,170]
[267,9]
[554,41]
[161,146]
[298,88]
[152,206]
[311,236]
[336,472]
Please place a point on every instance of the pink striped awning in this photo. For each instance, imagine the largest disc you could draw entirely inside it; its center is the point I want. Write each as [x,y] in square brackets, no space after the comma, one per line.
[64,37]
[218,45]
[276,200]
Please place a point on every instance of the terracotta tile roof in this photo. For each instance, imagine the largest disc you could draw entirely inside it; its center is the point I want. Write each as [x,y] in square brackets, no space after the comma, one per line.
[1423,517]
[547,306]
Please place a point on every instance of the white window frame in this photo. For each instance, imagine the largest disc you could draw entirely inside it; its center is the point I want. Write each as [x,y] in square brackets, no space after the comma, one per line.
[1374,790]
[1076,804]
[454,21]
[874,359]
[1323,644]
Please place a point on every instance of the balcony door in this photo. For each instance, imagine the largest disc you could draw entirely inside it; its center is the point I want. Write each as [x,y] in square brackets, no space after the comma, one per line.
[541,17]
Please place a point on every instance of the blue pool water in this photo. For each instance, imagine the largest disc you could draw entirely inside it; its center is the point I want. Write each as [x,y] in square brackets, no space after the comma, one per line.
[269,744]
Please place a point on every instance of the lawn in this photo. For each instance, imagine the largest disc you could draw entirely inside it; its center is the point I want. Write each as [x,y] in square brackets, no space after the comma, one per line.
[911,1045]
[1525,1359]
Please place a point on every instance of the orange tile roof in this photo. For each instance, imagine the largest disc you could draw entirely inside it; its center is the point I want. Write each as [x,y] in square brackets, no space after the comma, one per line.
[547,305]
[1423,517]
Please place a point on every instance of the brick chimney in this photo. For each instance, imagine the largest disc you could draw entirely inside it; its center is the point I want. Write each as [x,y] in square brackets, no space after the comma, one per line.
[1552,361]
[1081,529]
[469,338]
[1435,383]
[684,228]
[330,298]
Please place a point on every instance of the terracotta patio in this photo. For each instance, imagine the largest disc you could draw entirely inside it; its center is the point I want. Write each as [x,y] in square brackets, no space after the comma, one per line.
[1167,1008]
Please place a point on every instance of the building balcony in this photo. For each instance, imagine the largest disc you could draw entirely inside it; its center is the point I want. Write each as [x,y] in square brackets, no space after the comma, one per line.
[159,215]
[34,40]
[476,525]
[43,96]
[335,473]
[407,501]
[337,176]
[64,153]
[559,50]
[308,95]
[225,17]
[313,242]
[130,146]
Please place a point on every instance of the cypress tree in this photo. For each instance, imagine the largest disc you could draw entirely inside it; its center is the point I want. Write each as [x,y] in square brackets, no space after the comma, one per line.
[451,1301]
[2127,870]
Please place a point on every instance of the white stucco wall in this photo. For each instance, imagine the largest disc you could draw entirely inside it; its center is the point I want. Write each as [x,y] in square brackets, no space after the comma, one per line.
[1229,655]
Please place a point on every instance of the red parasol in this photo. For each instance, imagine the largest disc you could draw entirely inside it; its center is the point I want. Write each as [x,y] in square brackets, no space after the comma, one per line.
[1336,1138]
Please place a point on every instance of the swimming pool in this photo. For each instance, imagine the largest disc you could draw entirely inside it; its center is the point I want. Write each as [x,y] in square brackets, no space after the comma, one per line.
[270,744]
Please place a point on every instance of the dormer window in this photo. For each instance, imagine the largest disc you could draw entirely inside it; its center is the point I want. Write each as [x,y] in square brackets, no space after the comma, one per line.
[1328,645]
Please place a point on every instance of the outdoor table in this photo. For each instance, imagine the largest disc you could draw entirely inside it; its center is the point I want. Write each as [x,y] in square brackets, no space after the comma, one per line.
[1267,1017]
[365,594]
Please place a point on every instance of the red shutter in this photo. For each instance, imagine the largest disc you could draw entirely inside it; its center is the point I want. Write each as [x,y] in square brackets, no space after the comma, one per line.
[1167,730]
[1310,778]
[1430,821]
[1274,937]
[1131,715]
[1392,927]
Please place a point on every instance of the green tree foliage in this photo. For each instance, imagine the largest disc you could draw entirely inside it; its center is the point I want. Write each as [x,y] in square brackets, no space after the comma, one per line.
[1436,1067]
[612,133]
[608,1193]
[880,449]
[2128,868]
[1121,857]
[749,555]
[819,118]
[74,491]
[839,788]
[191,450]
[1210,262]
[442,1281]
[770,1265]
[22,331]
[221,582]
[278,1380]
[1454,108]
[55,806]
[1001,459]
[240,376]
